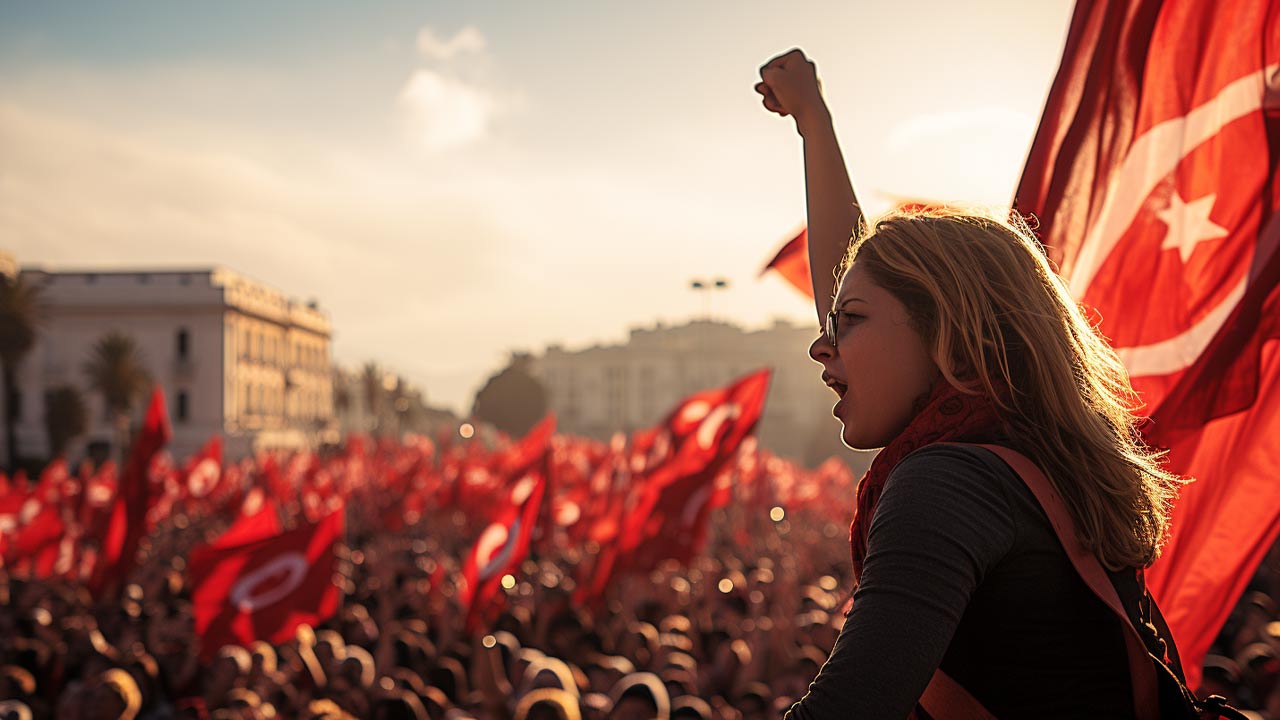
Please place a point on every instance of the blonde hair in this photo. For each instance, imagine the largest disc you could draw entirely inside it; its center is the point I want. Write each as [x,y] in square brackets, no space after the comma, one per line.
[998,320]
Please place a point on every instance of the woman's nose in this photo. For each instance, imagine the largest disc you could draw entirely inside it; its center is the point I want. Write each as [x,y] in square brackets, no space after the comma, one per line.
[822,350]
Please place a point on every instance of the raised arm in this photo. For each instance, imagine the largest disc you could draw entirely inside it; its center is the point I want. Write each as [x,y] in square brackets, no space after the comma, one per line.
[789,84]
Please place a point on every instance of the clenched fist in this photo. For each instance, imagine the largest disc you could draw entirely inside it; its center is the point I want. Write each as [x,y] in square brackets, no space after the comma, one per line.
[789,86]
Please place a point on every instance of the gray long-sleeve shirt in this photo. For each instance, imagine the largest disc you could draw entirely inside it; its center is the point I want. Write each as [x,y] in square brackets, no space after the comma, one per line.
[963,571]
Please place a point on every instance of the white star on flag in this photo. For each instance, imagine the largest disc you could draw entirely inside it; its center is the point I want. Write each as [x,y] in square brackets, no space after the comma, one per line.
[1189,224]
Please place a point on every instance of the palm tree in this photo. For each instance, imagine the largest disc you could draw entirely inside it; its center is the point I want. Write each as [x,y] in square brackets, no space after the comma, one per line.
[115,369]
[65,417]
[20,314]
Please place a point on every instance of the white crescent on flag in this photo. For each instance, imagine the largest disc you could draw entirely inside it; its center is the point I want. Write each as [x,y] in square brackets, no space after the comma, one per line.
[710,426]
[1143,184]
[244,594]
[203,477]
[495,547]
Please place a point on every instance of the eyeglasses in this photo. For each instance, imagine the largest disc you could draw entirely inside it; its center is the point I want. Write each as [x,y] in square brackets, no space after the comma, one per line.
[832,327]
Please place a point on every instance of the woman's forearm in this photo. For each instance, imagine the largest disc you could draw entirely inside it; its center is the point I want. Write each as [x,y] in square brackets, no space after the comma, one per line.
[831,205]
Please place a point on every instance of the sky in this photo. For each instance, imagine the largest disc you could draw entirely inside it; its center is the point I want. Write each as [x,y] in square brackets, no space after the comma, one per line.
[456,181]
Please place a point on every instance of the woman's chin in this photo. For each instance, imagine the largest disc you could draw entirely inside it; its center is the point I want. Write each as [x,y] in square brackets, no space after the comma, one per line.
[857,442]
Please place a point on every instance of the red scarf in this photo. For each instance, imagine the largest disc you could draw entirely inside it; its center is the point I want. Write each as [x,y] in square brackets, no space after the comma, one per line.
[947,416]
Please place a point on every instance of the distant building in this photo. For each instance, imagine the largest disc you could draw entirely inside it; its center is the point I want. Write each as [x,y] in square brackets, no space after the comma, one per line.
[598,390]
[234,356]
[377,402]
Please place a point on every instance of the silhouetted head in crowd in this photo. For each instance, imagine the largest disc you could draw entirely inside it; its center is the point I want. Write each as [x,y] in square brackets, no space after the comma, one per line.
[548,704]
[640,696]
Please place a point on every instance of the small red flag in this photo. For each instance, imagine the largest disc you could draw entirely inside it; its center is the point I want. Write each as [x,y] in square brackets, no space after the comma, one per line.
[43,531]
[500,549]
[265,589]
[129,511]
[792,263]
[706,431]
[203,470]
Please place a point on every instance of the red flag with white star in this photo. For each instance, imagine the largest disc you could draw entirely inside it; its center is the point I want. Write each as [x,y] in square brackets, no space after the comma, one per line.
[1153,175]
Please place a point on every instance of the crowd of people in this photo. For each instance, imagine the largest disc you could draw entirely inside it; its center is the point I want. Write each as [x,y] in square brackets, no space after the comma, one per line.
[736,634]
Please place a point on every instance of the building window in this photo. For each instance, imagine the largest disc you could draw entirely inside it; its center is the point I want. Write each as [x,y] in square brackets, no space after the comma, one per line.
[184,343]
[183,409]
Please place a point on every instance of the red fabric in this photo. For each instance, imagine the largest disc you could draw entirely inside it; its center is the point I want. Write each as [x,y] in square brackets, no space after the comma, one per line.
[259,518]
[792,263]
[1153,178]
[43,531]
[500,549]
[129,511]
[265,589]
[704,434]
[203,471]
[948,416]
[676,465]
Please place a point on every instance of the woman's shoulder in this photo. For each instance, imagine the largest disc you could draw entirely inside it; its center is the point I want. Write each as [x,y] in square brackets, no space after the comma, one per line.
[950,487]
[961,463]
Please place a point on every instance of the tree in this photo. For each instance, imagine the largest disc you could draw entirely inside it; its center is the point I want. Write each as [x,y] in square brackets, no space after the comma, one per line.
[371,383]
[115,369]
[341,393]
[65,417]
[514,400]
[20,314]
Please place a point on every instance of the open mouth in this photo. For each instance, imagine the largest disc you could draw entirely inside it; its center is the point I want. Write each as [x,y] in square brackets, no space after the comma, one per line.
[835,385]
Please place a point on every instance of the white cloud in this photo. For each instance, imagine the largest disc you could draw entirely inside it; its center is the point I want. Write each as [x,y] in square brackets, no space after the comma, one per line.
[467,40]
[442,112]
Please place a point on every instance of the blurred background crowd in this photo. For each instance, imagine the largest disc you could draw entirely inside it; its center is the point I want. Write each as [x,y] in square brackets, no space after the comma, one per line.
[736,632]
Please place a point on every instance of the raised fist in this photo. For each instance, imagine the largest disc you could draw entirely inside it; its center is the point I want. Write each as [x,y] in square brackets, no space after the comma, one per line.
[789,85]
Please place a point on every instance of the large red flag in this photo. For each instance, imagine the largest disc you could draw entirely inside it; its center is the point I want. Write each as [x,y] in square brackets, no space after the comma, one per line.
[265,589]
[259,518]
[666,514]
[1153,175]
[792,263]
[501,547]
[129,511]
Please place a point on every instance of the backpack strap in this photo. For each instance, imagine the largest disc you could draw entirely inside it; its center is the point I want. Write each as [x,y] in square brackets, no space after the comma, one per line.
[945,699]
[1146,698]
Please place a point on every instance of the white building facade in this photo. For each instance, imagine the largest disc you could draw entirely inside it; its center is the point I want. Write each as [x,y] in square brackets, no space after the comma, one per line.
[234,357]
[602,389]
